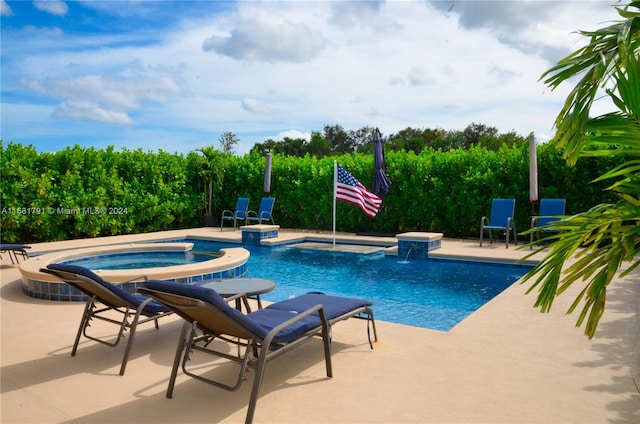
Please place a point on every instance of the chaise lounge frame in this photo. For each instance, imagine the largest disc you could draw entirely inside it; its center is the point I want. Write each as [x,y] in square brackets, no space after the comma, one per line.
[219,320]
[13,250]
[134,310]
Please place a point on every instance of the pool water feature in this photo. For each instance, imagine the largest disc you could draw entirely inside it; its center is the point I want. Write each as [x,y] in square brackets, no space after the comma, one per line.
[435,294]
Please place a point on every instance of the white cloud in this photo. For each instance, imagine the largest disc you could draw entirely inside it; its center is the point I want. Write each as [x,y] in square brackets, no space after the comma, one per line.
[267,67]
[55,7]
[255,106]
[541,26]
[87,111]
[5,9]
[418,75]
[103,99]
[261,35]
[44,31]
[349,13]
[293,134]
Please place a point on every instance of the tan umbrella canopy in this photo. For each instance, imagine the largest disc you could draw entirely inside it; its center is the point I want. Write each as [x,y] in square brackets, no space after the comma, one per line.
[533,170]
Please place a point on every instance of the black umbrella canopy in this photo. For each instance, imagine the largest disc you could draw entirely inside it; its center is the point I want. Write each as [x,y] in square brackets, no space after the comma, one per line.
[380,181]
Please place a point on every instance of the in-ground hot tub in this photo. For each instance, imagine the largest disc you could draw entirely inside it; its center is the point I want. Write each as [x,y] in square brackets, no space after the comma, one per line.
[232,263]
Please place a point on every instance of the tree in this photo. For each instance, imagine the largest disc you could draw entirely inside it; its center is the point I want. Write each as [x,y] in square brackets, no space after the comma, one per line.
[407,139]
[363,139]
[339,139]
[453,139]
[211,173]
[227,142]
[495,142]
[603,238]
[318,146]
[474,133]
[269,145]
[293,146]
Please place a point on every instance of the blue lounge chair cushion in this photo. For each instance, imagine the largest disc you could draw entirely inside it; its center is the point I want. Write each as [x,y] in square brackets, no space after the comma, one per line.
[208,296]
[152,307]
[334,306]
[9,246]
[14,249]
[262,321]
[269,319]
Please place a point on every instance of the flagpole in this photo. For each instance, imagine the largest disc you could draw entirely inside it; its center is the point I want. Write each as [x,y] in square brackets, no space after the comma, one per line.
[335,192]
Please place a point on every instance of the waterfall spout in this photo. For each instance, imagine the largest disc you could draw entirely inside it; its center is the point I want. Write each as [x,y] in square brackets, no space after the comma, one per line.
[406,258]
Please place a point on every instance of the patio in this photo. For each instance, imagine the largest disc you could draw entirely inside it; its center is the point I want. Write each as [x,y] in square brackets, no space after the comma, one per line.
[506,363]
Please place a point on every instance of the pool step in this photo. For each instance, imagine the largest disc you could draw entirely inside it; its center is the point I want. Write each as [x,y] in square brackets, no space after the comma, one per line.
[342,248]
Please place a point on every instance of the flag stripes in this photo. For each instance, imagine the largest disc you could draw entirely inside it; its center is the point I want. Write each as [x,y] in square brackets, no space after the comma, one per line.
[350,190]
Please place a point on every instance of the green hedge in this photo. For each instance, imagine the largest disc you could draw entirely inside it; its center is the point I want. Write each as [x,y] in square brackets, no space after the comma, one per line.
[83,192]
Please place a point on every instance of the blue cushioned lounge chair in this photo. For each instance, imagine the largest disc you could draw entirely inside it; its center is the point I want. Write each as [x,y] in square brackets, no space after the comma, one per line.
[265,212]
[502,218]
[113,298]
[264,334]
[550,210]
[13,250]
[239,214]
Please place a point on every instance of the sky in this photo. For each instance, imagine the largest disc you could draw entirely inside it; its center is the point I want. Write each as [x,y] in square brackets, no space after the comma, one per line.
[176,75]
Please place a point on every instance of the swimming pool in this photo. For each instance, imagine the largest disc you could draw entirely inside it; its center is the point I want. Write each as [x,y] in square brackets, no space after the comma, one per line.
[435,294]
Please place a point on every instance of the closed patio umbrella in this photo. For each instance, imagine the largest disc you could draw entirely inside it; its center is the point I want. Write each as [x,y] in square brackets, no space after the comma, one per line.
[533,173]
[533,170]
[380,181]
[267,175]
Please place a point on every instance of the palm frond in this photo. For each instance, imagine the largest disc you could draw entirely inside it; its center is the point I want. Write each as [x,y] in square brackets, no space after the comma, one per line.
[599,61]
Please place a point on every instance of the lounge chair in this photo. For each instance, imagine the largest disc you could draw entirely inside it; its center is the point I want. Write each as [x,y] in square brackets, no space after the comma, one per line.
[265,333]
[13,250]
[502,218]
[240,213]
[113,298]
[550,210]
[265,212]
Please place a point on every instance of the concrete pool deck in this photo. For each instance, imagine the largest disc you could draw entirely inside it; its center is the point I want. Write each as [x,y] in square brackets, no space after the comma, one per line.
[506,363]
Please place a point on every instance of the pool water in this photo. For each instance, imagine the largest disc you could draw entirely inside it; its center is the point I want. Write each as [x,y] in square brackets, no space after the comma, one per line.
[137,260]
[434,294]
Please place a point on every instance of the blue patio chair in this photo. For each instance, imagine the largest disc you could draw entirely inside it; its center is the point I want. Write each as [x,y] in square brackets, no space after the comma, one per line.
[551,210]
[113,298]
[13,250]
[265,212]
[264,334]
[239,214]
[502,218]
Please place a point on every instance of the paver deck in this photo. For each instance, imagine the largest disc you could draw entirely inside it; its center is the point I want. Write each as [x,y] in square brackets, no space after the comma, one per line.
[506,363]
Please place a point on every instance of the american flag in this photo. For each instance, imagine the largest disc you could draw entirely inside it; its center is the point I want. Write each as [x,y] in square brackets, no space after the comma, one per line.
[349,190]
